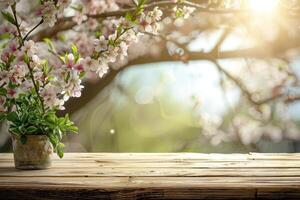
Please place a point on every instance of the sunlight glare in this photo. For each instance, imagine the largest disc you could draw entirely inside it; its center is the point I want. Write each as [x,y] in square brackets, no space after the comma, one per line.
[262,5]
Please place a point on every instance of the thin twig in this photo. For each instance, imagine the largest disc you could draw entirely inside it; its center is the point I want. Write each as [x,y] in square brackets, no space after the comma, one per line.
[26,36]
[13,8]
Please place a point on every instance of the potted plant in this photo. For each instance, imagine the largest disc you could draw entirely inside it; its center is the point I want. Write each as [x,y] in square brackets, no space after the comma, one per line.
[38,77]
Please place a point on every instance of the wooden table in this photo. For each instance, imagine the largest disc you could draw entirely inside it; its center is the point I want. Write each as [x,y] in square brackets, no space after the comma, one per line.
[156,176]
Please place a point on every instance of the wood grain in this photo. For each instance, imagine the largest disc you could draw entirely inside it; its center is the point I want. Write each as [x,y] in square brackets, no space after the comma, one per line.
[155,176]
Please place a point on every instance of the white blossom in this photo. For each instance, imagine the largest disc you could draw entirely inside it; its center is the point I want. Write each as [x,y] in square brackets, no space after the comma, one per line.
[100,44]
[122,50]
[130,36]
[149,22]
[26,86]
[156,14]
[111,54]
[102,68]
[18,73]
[4,77]
[74,87]
[79,18]
[62,5]
[184,12]
[36,61]
[91,64]
[50,99]
[187,11]
[48,12]
[99,66]
[29,48]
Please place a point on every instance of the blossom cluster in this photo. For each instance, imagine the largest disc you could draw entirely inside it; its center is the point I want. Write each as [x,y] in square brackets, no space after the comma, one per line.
[26,70]
[184,12]
[49,10]
[149,21]
[92,7]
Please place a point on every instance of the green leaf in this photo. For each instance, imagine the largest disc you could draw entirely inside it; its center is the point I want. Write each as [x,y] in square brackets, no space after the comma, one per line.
[26,59]
[2,117]
[98,34]
[3,91]
[129,16]
[62,58]
[62,37]
[49,43]
[12,117]
[60,150]
[5,36]
[141,3]
[9,17]
[51,118]
[75,52]
[23,139]
[74,49]
[73,129]
[82,74]
[119,30]
[54,140]
[31,129]
[179,13]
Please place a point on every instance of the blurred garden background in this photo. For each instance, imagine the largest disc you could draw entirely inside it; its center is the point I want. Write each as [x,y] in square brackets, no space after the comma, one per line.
[224,80]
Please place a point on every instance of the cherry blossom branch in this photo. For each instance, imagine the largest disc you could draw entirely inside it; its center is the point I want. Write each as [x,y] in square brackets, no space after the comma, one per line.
[21,40]
[35,27]
[35,86]
[67,23]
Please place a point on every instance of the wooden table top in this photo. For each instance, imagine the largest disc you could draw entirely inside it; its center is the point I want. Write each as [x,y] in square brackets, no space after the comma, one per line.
[155,176]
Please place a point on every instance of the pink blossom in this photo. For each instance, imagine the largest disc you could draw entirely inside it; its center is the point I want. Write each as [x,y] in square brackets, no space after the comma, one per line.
[79,66]
[69,61]
[12,92]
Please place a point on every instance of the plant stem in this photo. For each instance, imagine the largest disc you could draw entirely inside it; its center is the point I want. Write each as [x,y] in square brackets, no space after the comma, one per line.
[36,87]
[13,8]
[21,40]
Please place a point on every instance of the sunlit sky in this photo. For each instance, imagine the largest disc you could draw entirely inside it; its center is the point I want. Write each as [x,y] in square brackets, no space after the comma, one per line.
[262,5]
[198,78]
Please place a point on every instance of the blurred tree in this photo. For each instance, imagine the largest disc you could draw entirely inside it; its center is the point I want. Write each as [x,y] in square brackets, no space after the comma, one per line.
[254,45]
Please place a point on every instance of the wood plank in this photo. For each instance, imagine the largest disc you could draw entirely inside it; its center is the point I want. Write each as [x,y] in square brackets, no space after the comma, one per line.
[94,193]
[151,172]
[63,164]
[156,176]
[115,183]
[180,156]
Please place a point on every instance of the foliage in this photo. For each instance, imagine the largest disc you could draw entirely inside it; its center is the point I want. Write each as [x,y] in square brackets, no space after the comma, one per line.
[29,119]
